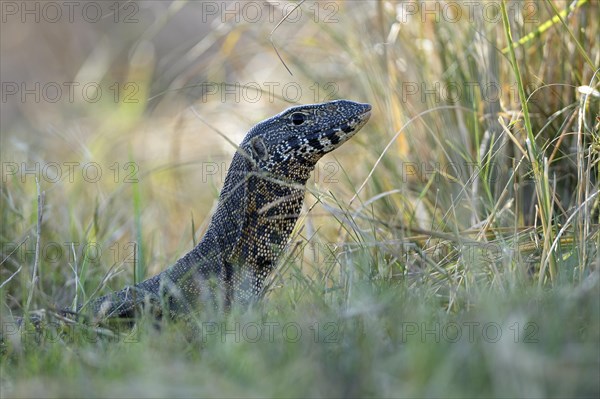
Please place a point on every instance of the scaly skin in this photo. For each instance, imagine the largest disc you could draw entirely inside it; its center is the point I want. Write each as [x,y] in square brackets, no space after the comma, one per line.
[257,210]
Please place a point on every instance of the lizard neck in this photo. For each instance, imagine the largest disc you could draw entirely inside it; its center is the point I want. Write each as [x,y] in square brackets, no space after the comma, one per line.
[247,233]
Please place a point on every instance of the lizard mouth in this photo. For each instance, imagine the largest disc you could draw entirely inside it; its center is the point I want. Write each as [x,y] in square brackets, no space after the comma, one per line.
[331,138]
[354,124]
[363,118]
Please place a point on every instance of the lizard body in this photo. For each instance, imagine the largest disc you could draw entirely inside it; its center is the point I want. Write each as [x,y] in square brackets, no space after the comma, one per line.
[258,207]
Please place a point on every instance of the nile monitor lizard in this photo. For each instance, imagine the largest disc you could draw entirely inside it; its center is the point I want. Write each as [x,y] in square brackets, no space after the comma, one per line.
[258,207]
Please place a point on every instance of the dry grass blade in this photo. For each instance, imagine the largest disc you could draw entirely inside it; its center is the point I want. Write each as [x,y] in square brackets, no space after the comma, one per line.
[38,243]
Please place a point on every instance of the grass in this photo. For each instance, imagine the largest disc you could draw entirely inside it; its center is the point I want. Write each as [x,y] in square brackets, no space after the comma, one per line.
[449,250]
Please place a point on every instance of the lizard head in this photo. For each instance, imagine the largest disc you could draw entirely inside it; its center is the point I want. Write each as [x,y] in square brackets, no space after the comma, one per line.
[289,144]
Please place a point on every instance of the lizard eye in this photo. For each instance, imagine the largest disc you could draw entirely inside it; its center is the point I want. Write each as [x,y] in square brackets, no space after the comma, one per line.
[298,118]
[259,148]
